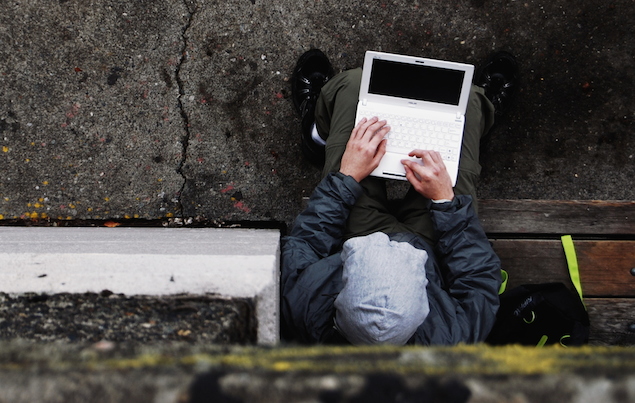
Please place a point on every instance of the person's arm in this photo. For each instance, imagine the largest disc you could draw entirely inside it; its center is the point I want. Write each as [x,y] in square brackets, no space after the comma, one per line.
[311,267]
[321,225]
[318,230]
[469,268]
[310,271]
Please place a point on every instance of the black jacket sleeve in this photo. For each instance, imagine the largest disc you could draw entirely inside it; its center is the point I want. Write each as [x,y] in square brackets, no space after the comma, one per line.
[464,281]
[311,267]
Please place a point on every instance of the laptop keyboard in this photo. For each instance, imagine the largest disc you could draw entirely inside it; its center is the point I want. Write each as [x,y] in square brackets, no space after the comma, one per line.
[409,133]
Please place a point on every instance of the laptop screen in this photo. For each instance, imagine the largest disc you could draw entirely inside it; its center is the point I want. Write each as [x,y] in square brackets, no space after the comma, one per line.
[416,81]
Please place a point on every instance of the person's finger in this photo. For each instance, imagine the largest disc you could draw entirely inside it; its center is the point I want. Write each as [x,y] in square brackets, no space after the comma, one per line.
[418,169]
[416,153]
[363,126]
[408,171]
[432,155]
[381,150]
[428,157]
[412,177]
[436,157]
[360,123]
[358,128]
[375,127]
[363,130]
[423,155]
[380,134]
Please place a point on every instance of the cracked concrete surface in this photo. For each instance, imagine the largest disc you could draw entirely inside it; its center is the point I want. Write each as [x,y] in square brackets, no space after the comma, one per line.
[154,109]
[91,88]
[186,120]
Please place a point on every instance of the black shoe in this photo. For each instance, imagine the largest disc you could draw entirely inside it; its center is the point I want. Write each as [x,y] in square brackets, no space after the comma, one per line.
[311,72]
[499,77]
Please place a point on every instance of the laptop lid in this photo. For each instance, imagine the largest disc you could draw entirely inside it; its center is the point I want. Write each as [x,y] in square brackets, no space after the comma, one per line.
[416,82]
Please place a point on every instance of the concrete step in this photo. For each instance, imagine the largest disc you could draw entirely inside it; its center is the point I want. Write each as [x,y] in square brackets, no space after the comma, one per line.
[79,267]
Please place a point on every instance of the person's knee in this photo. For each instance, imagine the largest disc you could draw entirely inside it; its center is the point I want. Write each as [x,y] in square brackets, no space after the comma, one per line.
[354,80]
[480,111]
[345,84]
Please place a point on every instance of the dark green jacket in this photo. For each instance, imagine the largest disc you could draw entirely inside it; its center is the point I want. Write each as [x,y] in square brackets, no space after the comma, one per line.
[462,269]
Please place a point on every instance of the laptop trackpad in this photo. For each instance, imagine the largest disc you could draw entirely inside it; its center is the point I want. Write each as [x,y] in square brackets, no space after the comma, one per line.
[391,166]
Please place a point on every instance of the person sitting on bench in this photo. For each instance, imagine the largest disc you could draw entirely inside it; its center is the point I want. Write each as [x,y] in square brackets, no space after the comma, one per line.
[359,268]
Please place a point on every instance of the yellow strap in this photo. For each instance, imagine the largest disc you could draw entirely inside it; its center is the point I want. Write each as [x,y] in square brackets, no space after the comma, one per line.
[503,286]
[563,338]
[572,262]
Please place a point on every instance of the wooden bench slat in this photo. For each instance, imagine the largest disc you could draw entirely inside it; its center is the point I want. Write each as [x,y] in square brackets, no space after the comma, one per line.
[605,266]
[525,234]
[612,320]
[558,217]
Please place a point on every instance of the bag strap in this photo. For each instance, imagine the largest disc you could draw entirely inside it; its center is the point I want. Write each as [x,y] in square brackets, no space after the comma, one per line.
[572,262]
[503,286]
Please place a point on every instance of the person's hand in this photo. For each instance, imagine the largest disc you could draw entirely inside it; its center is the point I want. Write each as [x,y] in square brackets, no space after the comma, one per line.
[431,179]
[365,148]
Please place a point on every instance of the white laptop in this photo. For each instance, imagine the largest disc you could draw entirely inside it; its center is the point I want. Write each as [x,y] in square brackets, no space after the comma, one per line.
[424,102]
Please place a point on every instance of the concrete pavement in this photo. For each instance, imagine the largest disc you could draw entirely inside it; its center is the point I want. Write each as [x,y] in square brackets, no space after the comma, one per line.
[154,109]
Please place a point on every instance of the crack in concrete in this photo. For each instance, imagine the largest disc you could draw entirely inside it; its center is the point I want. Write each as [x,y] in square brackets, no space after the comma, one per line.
[191,7]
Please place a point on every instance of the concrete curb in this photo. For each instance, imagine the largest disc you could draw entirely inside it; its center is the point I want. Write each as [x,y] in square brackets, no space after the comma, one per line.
[230,263]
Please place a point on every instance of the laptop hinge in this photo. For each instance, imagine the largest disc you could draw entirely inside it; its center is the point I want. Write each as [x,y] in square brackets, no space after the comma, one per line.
[364,101]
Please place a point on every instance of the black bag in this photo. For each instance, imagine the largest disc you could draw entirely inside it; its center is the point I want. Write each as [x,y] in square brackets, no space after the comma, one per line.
[543,314]
[540,314]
